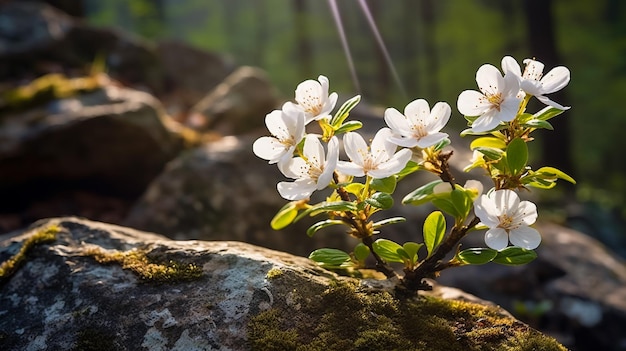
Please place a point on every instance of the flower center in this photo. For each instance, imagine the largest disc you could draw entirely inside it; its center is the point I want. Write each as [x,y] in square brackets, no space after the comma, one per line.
[507,222]
[311,104]
[495,100]
[419,131]
[314,170]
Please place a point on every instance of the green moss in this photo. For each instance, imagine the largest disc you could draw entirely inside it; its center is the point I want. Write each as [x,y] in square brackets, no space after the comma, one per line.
[348,319]
[43,236]
[148,270]
[273,273]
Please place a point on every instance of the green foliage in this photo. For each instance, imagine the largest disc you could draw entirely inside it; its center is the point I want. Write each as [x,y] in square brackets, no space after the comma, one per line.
[476,256]
[434,231]
[330,258]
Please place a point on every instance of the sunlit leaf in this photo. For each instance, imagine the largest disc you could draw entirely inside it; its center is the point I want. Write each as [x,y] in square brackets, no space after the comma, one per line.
[514,256]
[440,145]
[538,123]
[354,188]
[284,216]
[556,173]
[410,167]
[348,127]
[490,153]
[380,200]
[388,250]
[516,155]
[386,185]
[361,252]
[489,142]
[547,113]
[477,256]
[434,230]
[411,249]
[388,221]
[344,111]
[321,225]
[462,202]
[446,205]
[422,194]
[330,258]
[326,207]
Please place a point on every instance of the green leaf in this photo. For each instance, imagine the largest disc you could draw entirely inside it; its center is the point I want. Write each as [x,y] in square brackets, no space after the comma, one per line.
[555,173]
[348,127]
[326,207]
[330,258]
[538,123]
[440,145]
[388,250]
[361,252]
[490,142]
[344,111]
[469,131]
[387,221]
[490,153]
[434,231]
[477,255]
[386,185]
[380,200]
[446,205]
[411,249]
[547,113]
[516,155]
[354,188]
[422,194]
[461,201]
[524,117]
[321,225]
[410,167]
[515,256]
[284,216]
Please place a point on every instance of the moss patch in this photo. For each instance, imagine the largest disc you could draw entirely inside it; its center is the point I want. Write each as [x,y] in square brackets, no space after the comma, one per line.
[348,319]
[139,263]
[43,236]
[273,273]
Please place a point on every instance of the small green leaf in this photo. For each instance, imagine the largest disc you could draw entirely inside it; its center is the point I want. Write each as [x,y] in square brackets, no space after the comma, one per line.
[326,207]
[361,252]
[490,142]
[410,167]
[477,255]
[411,249]
[344,111]
[330,258]
[422,194]
[321,225]
[387,250]
[434,231]
[516,155]
[348,127]
[440,145]
[556,173]
[446,205]
[490,153]
[388,221]
[462,202]
[538,123]
[354,188]
[547,113]
[284,216]
[386,185]
[380,200]
[515,256]
[524,117]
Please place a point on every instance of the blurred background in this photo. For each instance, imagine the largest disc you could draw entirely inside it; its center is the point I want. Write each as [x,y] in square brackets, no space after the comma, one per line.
[142,113]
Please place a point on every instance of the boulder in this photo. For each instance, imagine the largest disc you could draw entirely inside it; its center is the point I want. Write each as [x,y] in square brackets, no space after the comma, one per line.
[109,141]
[72,284]
[238,104]
[575,289]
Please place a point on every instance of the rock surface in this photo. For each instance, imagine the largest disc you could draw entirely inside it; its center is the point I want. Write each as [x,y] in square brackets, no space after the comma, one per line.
[61,298]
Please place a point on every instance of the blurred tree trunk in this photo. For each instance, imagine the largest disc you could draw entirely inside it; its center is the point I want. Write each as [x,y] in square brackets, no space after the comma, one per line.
[543,46]
[304,49]
[71,7]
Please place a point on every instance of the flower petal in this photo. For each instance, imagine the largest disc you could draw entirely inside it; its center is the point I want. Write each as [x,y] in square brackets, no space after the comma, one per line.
[296,190]
[269,148]
[417,112]
[506,202]
[381,148]
[397,122]
[330,165]
[549,102]
[508,109]
[497,238]
[314,151]
[355,147]
[555,80]
[485,122]
[404,142]
[431,139]
[525,237]
[472,103]
[439,116]
[350,168]
[394,165]
[528,212]
[489,80]
[486,210]
[509,64]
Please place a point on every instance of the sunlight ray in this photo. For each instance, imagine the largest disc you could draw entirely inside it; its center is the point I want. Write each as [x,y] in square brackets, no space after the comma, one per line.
[344,43]
[381,45]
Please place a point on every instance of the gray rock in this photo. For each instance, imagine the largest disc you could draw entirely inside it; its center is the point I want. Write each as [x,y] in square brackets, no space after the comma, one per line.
[111,141]
[238,105]
[61,298]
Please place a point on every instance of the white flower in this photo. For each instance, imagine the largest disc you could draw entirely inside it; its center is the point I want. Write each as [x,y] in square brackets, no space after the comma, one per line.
[496,102]
[507,219]
[419,126]
[378,161]
[534,83]
[312,98]
[287,128]
[312,172]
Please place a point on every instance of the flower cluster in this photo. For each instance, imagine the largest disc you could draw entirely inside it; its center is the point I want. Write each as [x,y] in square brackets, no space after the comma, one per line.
[410,142]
